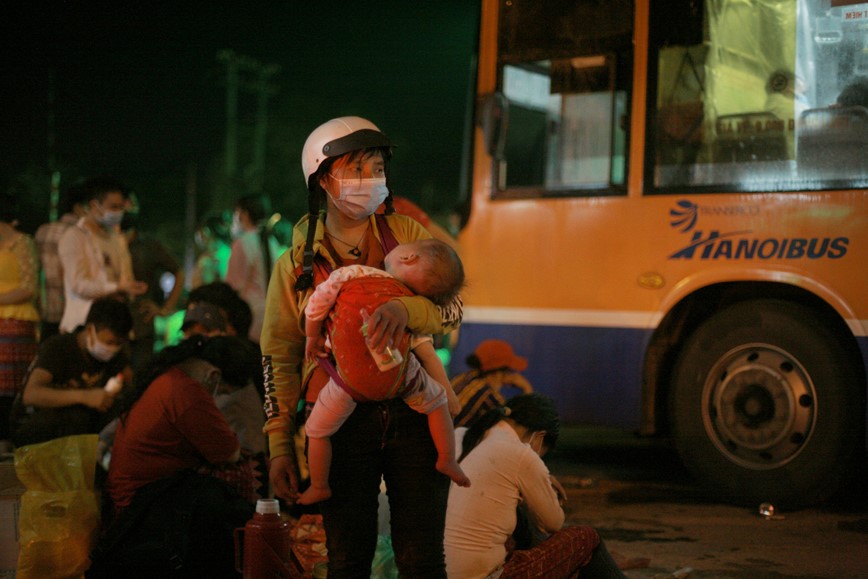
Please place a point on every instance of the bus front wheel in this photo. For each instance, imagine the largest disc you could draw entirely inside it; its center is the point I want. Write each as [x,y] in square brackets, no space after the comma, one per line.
[765,405]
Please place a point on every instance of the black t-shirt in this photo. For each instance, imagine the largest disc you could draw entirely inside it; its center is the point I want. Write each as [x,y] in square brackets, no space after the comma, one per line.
[71,368]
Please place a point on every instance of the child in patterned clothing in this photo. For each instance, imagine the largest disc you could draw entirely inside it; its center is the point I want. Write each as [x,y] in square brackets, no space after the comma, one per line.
[426,267]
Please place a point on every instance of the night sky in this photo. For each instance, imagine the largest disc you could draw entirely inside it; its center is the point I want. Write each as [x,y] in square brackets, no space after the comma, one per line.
[140,93]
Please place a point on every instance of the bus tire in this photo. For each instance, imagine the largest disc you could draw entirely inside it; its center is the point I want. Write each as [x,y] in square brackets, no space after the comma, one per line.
[766,405]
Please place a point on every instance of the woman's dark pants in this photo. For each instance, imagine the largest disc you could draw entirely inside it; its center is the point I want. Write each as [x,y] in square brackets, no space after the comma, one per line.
[389,439]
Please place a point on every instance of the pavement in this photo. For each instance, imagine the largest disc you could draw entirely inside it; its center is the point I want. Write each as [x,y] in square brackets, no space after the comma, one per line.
[657,523]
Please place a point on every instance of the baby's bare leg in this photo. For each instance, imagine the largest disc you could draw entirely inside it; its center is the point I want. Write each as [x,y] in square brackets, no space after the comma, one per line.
[333,406]
[443,433]
[319,460]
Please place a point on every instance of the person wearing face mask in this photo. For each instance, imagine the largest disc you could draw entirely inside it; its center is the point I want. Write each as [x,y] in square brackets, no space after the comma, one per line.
[65,389]
[253,254]
[94,255]
[345,165]
[509,523]
[166,519]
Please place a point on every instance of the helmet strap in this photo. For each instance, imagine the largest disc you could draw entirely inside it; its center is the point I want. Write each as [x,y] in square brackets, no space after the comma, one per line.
[305,280]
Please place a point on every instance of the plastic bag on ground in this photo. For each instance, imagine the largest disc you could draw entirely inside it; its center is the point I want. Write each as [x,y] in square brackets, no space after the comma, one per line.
[59,518]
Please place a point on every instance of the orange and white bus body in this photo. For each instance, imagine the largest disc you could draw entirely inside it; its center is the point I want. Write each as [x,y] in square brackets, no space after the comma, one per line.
[669,218]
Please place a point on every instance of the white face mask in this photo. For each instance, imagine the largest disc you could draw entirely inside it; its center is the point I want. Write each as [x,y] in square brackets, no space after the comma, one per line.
[100,350]
[111,218]
[539,447]
[359,198]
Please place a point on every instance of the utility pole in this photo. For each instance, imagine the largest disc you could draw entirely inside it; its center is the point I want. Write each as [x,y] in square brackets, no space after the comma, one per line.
[264,90]
[238,68]
[231,114]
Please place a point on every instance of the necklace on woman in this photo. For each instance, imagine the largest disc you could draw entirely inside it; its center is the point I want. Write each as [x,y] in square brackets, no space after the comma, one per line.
[353,249]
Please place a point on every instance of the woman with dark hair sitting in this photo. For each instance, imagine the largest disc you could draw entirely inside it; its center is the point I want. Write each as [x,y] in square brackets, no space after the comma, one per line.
[501,453]
[170,520]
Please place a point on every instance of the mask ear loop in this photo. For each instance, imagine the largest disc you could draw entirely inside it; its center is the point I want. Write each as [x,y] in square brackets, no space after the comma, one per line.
[390,207]
[217,382]
[538,451]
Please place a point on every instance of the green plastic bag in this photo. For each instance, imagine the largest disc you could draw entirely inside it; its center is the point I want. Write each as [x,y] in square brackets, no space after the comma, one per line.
[384,566]
[59,517]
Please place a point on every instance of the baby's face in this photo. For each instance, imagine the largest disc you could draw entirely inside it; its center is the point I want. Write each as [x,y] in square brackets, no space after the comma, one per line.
[405,262]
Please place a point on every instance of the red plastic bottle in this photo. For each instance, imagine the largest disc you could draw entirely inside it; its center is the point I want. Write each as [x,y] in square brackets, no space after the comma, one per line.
[266,544]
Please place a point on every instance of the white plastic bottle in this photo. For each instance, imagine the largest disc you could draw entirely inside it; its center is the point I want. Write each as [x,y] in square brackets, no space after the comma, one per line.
[386,360]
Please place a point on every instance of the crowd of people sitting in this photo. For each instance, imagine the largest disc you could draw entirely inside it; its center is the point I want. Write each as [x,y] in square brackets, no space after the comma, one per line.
[80,352]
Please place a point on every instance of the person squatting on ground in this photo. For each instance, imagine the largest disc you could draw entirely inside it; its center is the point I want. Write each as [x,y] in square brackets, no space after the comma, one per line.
[502,453]
[165,519]
[64,393]
[345,164]
[242,407]
[426,267]
[235,310]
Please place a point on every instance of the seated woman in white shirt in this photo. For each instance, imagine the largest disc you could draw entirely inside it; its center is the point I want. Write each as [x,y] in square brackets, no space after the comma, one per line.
[501,453]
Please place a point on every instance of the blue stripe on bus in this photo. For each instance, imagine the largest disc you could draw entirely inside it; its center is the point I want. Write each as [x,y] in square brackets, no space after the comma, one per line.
[594,374]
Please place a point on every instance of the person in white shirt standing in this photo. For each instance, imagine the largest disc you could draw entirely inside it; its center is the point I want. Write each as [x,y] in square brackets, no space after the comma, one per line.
[254,252]
[94,255]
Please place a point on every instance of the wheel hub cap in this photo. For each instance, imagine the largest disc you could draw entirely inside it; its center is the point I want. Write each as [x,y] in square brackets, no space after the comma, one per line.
[759,406]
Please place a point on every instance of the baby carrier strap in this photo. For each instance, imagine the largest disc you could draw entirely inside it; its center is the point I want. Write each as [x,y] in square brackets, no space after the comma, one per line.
[329,366]
[387,238]
[323,268]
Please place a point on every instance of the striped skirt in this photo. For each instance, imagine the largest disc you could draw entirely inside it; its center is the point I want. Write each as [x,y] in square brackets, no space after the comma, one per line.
[17,351]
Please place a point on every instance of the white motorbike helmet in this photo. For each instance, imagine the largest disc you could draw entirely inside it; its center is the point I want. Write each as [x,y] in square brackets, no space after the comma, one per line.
[331,139]
[337,137]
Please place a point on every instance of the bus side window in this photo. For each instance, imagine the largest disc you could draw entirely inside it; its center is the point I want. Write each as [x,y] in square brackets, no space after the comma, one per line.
[567,127]
[566,69]
[741,103]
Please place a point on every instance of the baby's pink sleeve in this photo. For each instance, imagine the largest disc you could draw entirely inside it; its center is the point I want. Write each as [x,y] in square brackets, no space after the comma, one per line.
[324,296]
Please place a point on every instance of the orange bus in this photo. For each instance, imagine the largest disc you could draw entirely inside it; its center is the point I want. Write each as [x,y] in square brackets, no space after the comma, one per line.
[669,218]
